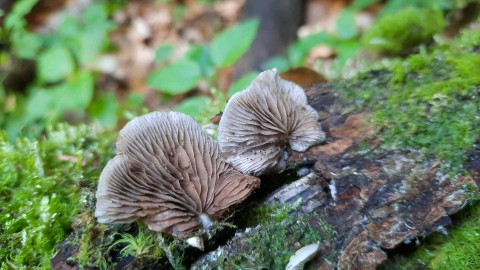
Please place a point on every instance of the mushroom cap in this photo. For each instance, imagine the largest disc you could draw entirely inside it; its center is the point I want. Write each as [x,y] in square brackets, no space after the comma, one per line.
[168,172]
[259,122]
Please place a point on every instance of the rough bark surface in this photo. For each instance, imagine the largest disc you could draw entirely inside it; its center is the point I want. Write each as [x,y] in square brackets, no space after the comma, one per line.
[374,199]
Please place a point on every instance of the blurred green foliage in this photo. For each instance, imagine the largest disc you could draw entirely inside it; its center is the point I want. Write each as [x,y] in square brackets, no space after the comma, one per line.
[64,81]
[202,62]
[347,41]
[177,78]
[203,108]
[242,83]
[391,33]
[228,46]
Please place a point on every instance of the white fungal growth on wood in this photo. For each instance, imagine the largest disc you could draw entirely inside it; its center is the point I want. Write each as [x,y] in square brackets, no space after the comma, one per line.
[196,241]
[302,256]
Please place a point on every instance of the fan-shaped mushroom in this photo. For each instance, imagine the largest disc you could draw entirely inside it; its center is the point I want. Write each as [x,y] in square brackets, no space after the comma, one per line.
[259,122]
[169,173]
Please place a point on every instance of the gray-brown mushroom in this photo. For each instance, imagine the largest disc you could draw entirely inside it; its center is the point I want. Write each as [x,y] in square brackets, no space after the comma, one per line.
[170,174]
[260,122]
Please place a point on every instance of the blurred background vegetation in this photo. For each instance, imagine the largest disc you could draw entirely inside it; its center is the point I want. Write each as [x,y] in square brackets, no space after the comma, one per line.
[105,61]
[101,63]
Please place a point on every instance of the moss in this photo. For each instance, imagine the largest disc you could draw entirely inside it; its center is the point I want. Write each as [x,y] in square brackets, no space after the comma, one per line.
[280,234]
[92,241]
[404,29]
[40,180]
[429,101]
[100,246]
[143,246]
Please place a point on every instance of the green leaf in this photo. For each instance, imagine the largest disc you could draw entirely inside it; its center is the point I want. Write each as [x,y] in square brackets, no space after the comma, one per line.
[298,51]
[89,36]
[93,37]
[135,99]
[193,106]
[91,42]
[51,103]
[242,83]
[345,26]
[104,110]
[41,104]
[26,45]
[278,62]
[16,17]
[177,78]
[229,45]
[201,55]
[163,53]
[54,64]
[77,93]
[68,29]
[346,50]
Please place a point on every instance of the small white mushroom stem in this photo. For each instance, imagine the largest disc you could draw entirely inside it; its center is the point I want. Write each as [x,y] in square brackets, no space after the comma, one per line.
[205,220]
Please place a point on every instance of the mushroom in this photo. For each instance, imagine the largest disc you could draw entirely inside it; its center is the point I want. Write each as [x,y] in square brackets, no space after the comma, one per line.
[170,174]
[259,122]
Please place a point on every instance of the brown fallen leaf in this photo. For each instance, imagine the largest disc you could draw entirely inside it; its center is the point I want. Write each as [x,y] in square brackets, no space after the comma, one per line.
[303,76]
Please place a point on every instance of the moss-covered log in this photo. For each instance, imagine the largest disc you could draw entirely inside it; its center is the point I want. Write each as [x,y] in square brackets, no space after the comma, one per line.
[401,157]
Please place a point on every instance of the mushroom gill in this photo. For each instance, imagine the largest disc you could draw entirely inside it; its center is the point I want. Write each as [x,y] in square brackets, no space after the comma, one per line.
[260,122]
[170,174]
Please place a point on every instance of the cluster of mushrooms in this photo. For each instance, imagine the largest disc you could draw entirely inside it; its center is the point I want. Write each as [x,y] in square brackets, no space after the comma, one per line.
[170,174]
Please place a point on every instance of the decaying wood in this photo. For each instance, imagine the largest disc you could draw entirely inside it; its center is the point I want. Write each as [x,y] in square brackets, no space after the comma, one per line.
[374,199]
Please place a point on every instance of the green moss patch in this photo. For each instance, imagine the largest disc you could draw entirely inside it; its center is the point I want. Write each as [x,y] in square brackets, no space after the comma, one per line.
[430,101]
[404,29]
[40,184]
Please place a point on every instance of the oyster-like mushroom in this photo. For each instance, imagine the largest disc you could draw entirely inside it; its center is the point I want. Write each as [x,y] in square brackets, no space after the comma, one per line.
[259,122]
[169,173]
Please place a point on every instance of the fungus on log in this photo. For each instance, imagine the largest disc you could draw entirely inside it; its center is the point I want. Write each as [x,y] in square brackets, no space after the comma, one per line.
[169,173]
[259,122]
